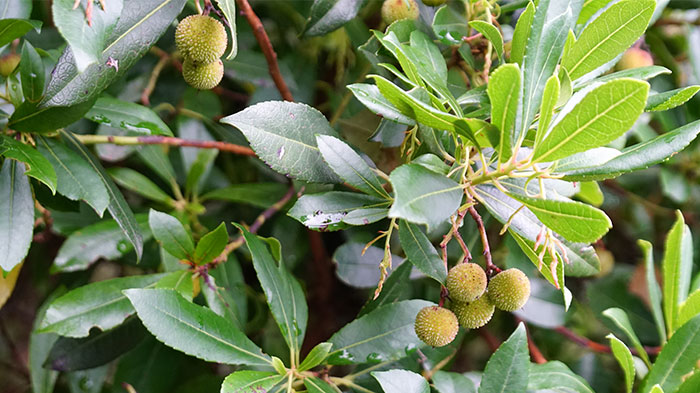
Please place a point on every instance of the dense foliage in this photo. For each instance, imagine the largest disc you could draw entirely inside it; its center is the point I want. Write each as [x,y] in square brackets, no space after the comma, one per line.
[396,196]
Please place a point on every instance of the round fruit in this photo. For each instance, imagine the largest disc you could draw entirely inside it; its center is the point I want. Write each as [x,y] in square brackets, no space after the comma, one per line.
[475,314]
[393,10]
[8,64]
[434,3]
[202,76]
[201,38]
[634,58]
[509,290]
[436,326]
[466,282]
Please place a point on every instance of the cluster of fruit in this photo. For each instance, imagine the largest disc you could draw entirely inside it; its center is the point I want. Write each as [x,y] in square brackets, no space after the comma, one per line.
[393,10]
[473,300]
[202,41]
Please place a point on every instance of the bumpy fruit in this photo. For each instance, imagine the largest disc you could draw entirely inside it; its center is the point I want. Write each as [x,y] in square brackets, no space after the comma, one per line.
[436,326]
[202,76]
[635,58]
[466,282]
[393,10]
[201,38]
[509,290]
[8,64]
[475,314]
[434,3]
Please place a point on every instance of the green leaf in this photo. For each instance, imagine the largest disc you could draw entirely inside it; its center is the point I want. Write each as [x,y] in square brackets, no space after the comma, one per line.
[42,380]
[101,304]
[394,288]
[136,31]
[608,35]
[15,9]
[181,281]
[641,73]
[423,196]
[349,166]
[550,99]
[317,385]
[624,358]
[32,73]
[670,99]
[653,288]
[246,381]
[192,329]
[228,7]
[637,157]
[316,356]
[128,116]
[392,43]
[689,308]
[283,134]
[431,66]
[199,171]
[521,34]
[327,211]
[370,97]
[677,359]
[508,368]
[282,290]
[156,159]
[691,384]
[591,193]
[261,195]
[590,8]
[140,184]
[491,33]
[37,165]
[677,268]
[360,269]
[575,221]
[227,293]
[421,252]
[449,382]
[329,15]
[450,26]
[16,215]
[656,389]
[555,376]
[11,28]
[171,235]
[401,381]
[504,92]
[211,245]
[381,335]
[594,117]
[87,245]
[619,317]
[29,117]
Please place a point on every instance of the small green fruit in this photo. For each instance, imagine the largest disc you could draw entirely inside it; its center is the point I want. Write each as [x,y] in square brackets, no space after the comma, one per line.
[8,64]
[509,290]
[466,282]
[436,326]
[434,3]
[393,10]
[201,38]
[634,58]
[475,314]
[202,76]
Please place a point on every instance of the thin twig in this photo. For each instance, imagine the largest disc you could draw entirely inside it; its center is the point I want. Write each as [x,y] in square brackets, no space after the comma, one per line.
[597,347]
[491,269]
[148,90]
[164,140]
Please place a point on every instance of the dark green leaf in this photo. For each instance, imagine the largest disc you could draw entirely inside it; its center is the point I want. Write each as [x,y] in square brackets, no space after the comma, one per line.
[140,184]
[448,382]
[691,384]
[327,211]
[370,97]
[557,377]
[394,288]
[317,385]
[16,215]
[508,368]
[421,252]
[128,116]
[11,28]
[31,70]
[40,344]
[251,382]
[211,245]
[171,235]
[677,359]
[29,117]
[261,195]
[328,15]
[37,165]
[401,381]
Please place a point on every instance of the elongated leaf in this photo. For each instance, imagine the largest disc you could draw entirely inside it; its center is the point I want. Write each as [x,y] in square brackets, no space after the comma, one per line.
[619,317]
[171,235]
[448,382]
[608,35]
[283,135]
[32,73]
[431,66]
[11,28]
[421,252]
[328,15]
[381,335]
[624,358]
[556,376]
[521,34]
[211,245]
[140,184]
[504,91]
[327,211]
[140,25]
[227,293]
[246,381]
[29,117]
[641,73]
[43,380]
[261,195]
[16,215]
[653,288]
[401,381]
[317,385]
[282,290]
[360,269]
[127,115]
[508,368]
[670,99]
[594,118]
[228,7]
[370,97]
[101,305]
[550,98]
[575,221]
[37,165]
[393,44]
[316,356]
[677,267]
[689,308]
[192,329]
[349,166]
[423,196]
[491,33]
[677,359]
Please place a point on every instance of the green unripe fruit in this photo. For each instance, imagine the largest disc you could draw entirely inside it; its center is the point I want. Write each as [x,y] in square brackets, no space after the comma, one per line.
[466,282]
[393,10]
[475,314]
[201,38]
[436,326]
[434,3]
[8,64]
[635,58]
[202,76]
[509,290]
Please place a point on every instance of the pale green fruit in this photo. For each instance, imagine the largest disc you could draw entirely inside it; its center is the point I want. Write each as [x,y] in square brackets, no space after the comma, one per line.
[475,314]
[436,326]
[202,76]
[509,289]
[8,64]
[393,10]
[466,282]
[434,3]
[201,38]
[634,58]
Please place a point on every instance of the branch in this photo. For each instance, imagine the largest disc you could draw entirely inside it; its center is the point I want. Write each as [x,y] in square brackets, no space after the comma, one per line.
[164,140]
[491,269]
[596,347]
[266,46]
